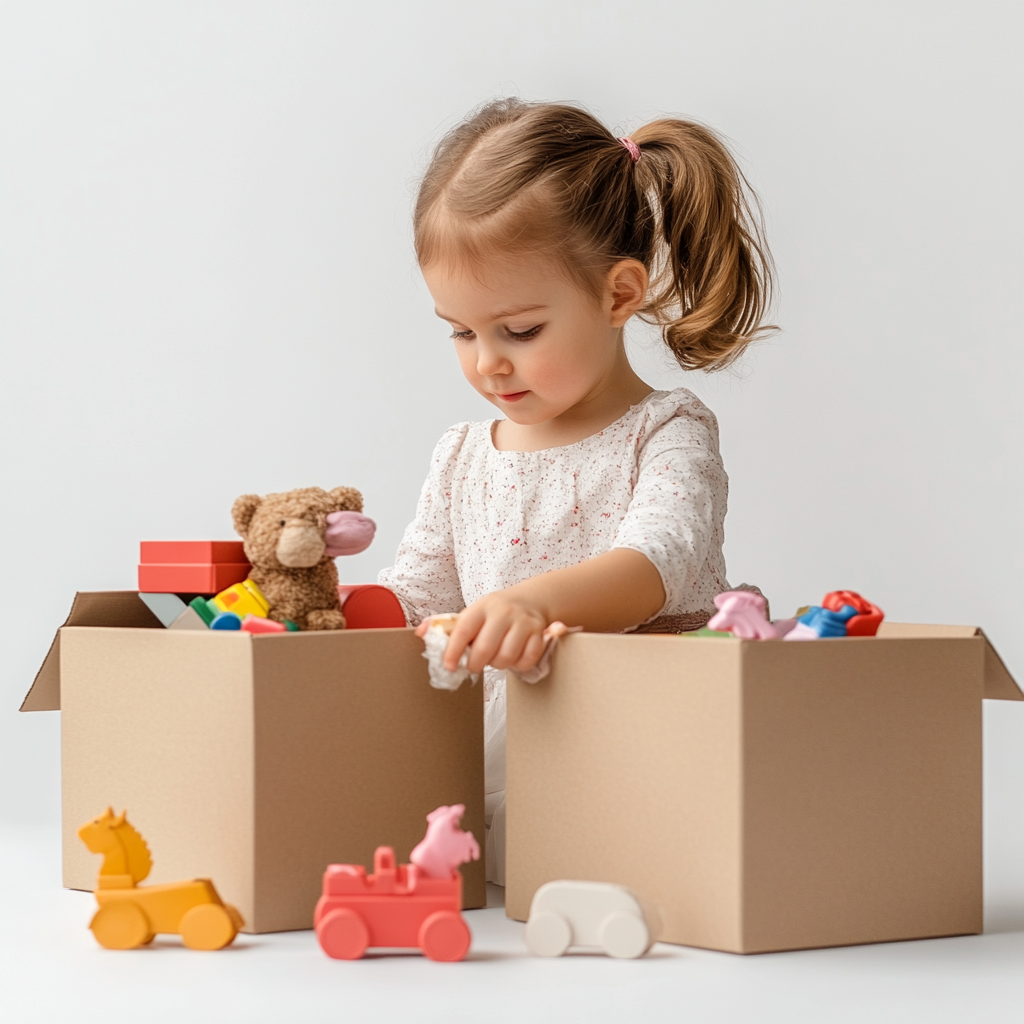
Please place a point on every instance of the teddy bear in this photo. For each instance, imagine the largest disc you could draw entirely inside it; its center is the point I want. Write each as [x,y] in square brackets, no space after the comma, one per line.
[292,539]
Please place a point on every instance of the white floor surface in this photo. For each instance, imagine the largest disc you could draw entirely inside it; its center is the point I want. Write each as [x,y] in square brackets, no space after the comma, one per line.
[51,970]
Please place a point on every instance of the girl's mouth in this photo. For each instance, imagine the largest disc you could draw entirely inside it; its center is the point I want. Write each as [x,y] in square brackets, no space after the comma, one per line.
[513,396]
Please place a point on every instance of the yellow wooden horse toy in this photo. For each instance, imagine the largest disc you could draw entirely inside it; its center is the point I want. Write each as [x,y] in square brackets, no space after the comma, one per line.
[129,916]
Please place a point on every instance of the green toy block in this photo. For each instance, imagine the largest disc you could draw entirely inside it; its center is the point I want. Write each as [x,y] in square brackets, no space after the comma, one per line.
[202,609]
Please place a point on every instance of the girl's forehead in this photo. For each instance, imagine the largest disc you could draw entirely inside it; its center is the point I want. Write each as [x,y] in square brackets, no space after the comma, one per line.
[496,288]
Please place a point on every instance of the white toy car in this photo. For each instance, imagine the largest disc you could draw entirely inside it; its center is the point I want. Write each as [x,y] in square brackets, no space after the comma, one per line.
[594,914]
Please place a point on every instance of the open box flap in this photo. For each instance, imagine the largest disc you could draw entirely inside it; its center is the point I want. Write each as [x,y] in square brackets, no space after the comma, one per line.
[123,608]
[96,608]
[999,684]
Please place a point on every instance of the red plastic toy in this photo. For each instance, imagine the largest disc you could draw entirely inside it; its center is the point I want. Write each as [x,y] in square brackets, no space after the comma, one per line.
[413,905]
[395,906]
[370,606]
[868,617]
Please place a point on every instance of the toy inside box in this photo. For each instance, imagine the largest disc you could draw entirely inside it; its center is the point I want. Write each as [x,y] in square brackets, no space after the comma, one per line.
[761,795]
[256,759]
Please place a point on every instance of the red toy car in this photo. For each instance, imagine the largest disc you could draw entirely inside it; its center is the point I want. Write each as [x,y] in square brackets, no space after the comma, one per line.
[395,906]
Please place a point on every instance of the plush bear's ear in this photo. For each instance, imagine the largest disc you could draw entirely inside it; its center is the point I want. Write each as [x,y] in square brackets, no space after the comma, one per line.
[242,512]
[346,499]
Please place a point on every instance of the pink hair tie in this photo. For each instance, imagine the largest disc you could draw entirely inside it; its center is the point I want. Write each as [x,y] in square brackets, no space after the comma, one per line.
[632,148]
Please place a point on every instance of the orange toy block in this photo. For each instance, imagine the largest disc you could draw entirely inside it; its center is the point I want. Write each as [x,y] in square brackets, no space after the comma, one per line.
[130,916]
[369,606]
[209,578]
[395,906]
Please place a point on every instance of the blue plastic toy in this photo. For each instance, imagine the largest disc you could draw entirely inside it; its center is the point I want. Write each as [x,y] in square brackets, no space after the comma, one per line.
[827,623]
[226,620]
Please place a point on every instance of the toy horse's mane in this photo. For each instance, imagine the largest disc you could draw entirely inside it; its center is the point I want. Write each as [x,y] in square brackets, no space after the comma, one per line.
[140,861]
[137,855]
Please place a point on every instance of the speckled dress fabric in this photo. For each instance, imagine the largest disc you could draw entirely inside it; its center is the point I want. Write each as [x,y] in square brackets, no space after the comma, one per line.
[652,481]
[488,519]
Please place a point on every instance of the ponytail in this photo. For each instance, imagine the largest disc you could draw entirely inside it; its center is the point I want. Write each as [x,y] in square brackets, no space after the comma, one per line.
[552,180]
[711,276]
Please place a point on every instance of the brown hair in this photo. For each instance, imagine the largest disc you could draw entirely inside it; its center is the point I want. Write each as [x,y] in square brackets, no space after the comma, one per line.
[551,179]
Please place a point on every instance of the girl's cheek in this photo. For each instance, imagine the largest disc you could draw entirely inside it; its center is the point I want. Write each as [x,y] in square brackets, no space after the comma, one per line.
[467,362]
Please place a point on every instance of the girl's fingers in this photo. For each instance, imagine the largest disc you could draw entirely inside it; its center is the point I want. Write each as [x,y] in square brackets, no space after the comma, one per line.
[514,644]
[486,644]
[531,654]
[484,648]
[464,634]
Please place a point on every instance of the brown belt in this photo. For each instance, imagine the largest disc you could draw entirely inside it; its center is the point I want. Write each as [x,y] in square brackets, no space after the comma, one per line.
[683,623]
[689,621]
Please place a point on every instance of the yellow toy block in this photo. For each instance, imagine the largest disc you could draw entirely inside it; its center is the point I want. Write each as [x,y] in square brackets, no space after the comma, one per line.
[243,599]
[130,916]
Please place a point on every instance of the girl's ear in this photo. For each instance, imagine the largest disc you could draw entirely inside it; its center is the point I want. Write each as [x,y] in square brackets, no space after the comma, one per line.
[625,290]
[242,512]
[346,499]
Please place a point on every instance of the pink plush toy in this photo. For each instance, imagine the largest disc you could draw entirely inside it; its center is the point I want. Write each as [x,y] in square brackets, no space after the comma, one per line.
[348,533]
[742,613]
[445,845]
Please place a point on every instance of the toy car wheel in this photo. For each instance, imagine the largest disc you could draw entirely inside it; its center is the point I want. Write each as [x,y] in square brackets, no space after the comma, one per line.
[343,934]
[208,926]
[548,934]
[445,936]
[121,925]
[624,936]
[235,916]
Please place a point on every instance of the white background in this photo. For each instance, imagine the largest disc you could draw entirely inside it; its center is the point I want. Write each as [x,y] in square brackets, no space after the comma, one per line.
[207,285]
[207,288]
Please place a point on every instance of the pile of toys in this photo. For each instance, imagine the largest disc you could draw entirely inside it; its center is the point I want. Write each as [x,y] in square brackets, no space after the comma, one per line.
[743,614]
[279,578]
[179,592]
[399,906]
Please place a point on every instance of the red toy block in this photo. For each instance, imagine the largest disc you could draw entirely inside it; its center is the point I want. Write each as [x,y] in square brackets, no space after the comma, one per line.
[369,606]
[395,906]
[191,552]
[191,579]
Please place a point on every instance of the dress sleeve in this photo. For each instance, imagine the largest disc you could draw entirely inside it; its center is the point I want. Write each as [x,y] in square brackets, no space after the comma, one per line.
[677,511]
[424,575]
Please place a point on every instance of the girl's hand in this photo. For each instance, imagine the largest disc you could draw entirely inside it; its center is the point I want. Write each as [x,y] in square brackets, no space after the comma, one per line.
[607,593]
[506,630]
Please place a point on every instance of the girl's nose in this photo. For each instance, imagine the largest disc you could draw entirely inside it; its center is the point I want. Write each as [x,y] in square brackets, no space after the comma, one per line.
[490,360]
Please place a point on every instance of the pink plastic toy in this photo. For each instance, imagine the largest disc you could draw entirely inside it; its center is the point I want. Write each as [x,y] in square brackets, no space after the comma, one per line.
[258,624]
[742,612]
[399,906]
[445,845]
[348,533]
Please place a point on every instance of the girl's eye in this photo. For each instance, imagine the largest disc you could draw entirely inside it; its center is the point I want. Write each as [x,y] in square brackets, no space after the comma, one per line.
[526,335]
[461,335]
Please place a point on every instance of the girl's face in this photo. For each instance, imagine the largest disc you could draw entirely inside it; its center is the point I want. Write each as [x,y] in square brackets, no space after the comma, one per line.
[529,340]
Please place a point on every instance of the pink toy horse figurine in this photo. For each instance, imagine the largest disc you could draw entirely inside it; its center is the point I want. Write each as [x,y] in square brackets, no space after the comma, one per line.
[743,614]
[445,845]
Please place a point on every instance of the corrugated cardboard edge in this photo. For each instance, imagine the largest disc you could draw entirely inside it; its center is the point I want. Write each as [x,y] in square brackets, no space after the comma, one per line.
[90,608]
[999,684]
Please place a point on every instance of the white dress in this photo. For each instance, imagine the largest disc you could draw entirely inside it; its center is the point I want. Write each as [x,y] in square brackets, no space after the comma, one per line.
[487,519]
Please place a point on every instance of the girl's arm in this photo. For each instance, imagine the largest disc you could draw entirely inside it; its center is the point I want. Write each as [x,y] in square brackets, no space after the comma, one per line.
[660,551]
[424,576]
[608,593]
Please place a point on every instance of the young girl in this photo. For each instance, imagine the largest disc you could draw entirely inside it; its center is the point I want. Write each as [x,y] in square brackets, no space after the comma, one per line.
[593,500]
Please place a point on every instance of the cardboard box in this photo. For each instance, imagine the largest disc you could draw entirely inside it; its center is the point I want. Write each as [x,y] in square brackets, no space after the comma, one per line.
[256,760]
[763,795]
